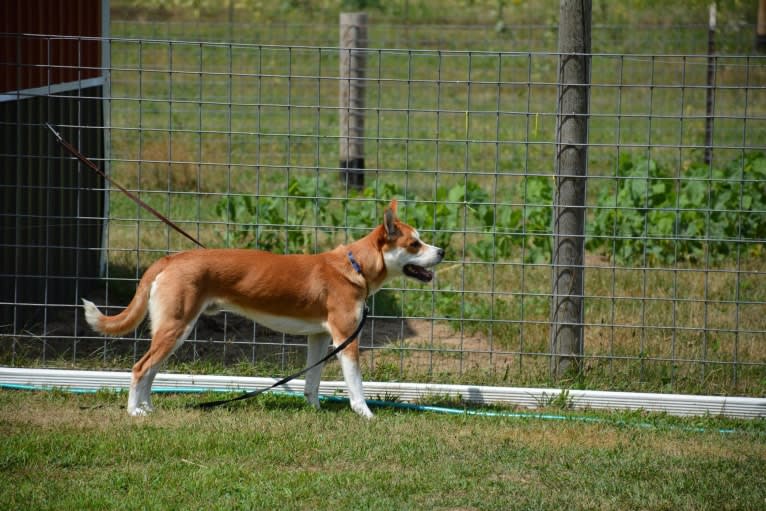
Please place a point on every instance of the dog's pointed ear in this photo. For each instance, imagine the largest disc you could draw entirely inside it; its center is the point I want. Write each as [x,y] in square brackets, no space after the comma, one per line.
[389,221]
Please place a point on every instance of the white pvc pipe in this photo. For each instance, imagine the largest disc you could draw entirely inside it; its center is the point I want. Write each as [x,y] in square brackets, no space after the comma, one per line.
[673,404]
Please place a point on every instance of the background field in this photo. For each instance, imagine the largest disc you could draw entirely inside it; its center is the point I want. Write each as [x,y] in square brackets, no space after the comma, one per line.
[227,122]
[461,137]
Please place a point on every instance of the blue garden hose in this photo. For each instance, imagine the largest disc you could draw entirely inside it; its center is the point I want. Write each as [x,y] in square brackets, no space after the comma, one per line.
[378,403]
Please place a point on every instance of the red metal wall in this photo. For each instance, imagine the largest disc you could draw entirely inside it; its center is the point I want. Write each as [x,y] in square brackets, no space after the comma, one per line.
[28,61]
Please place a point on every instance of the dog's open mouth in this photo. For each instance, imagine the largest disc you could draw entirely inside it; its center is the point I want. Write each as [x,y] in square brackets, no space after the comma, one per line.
[418,272]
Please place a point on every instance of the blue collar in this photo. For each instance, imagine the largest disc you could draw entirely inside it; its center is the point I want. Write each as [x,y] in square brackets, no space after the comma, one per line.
[354,263]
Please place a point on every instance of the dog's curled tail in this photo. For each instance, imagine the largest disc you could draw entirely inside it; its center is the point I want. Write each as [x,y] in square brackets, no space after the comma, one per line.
[133,314]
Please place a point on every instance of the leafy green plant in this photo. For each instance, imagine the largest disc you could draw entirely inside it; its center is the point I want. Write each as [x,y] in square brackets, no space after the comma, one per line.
[513,228]
[737,204]
[624,220]
[651,214]
[665,218]
[277,223]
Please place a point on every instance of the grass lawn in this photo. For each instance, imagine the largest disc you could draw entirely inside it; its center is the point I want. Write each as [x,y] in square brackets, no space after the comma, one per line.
[64,451]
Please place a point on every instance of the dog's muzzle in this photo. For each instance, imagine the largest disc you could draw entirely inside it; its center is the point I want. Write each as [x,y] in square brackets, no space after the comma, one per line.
[422,273]
[418,272]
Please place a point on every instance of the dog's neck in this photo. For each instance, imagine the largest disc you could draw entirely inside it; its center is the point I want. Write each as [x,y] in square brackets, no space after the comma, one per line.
[354,263]
[358,268]
[366,260]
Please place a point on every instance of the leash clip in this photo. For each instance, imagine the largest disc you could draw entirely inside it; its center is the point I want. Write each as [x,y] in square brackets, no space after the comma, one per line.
[55,133]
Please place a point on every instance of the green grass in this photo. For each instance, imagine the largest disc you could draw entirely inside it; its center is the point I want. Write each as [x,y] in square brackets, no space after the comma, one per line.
[63,451]
[634,25]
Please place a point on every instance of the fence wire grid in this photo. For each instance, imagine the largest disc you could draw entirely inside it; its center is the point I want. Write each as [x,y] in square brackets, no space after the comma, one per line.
[238,143]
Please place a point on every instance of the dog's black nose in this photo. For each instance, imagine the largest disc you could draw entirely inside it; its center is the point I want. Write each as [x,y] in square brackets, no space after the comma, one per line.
[441,253]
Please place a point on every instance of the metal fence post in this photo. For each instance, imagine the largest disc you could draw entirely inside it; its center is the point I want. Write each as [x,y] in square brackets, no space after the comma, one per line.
[353,35]
[567,308]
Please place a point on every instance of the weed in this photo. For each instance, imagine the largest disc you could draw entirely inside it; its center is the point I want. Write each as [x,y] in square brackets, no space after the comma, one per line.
[559,401]
[443,400]
[388,398]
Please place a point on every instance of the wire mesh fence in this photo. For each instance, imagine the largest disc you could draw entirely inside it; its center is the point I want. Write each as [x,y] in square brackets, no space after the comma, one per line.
[238,143]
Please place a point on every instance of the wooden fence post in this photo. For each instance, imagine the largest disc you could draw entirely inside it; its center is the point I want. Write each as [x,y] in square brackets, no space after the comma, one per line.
[353,61]
[710,93]
[567,307]
[760,27]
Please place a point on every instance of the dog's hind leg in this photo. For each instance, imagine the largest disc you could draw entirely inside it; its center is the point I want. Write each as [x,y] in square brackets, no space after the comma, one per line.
[174,306]
[173,311]
[164,342]
[143,392]
[317,348]
[144,371]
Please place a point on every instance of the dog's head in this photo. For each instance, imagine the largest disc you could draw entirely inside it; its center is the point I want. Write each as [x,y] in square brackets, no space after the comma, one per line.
[404,252]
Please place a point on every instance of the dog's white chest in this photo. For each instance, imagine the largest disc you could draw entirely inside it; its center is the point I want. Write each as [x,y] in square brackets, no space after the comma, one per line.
[290,326]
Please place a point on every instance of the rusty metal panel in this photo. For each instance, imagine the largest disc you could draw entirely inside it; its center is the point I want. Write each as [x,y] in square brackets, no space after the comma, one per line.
[46,42]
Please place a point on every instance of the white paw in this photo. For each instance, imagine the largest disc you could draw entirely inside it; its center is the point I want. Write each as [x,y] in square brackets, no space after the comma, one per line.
[362,409]
[141,410]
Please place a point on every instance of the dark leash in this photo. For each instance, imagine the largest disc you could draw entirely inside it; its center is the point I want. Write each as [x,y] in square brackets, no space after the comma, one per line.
[253,393]
[77,154]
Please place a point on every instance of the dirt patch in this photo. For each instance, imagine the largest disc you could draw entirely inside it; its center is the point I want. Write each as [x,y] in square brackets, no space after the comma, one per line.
[431,346]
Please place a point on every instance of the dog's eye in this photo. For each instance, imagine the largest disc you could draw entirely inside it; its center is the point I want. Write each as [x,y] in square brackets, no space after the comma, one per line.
[415,244]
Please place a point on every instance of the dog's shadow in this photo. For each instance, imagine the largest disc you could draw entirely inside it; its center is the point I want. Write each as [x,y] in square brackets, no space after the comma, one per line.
[268,402]
[228,339]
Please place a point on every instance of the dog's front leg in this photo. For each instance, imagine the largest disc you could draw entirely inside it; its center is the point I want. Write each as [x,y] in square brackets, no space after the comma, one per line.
[349,359]
[317,347]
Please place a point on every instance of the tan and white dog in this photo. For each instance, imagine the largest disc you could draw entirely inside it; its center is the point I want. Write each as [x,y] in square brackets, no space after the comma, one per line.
[319,295]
